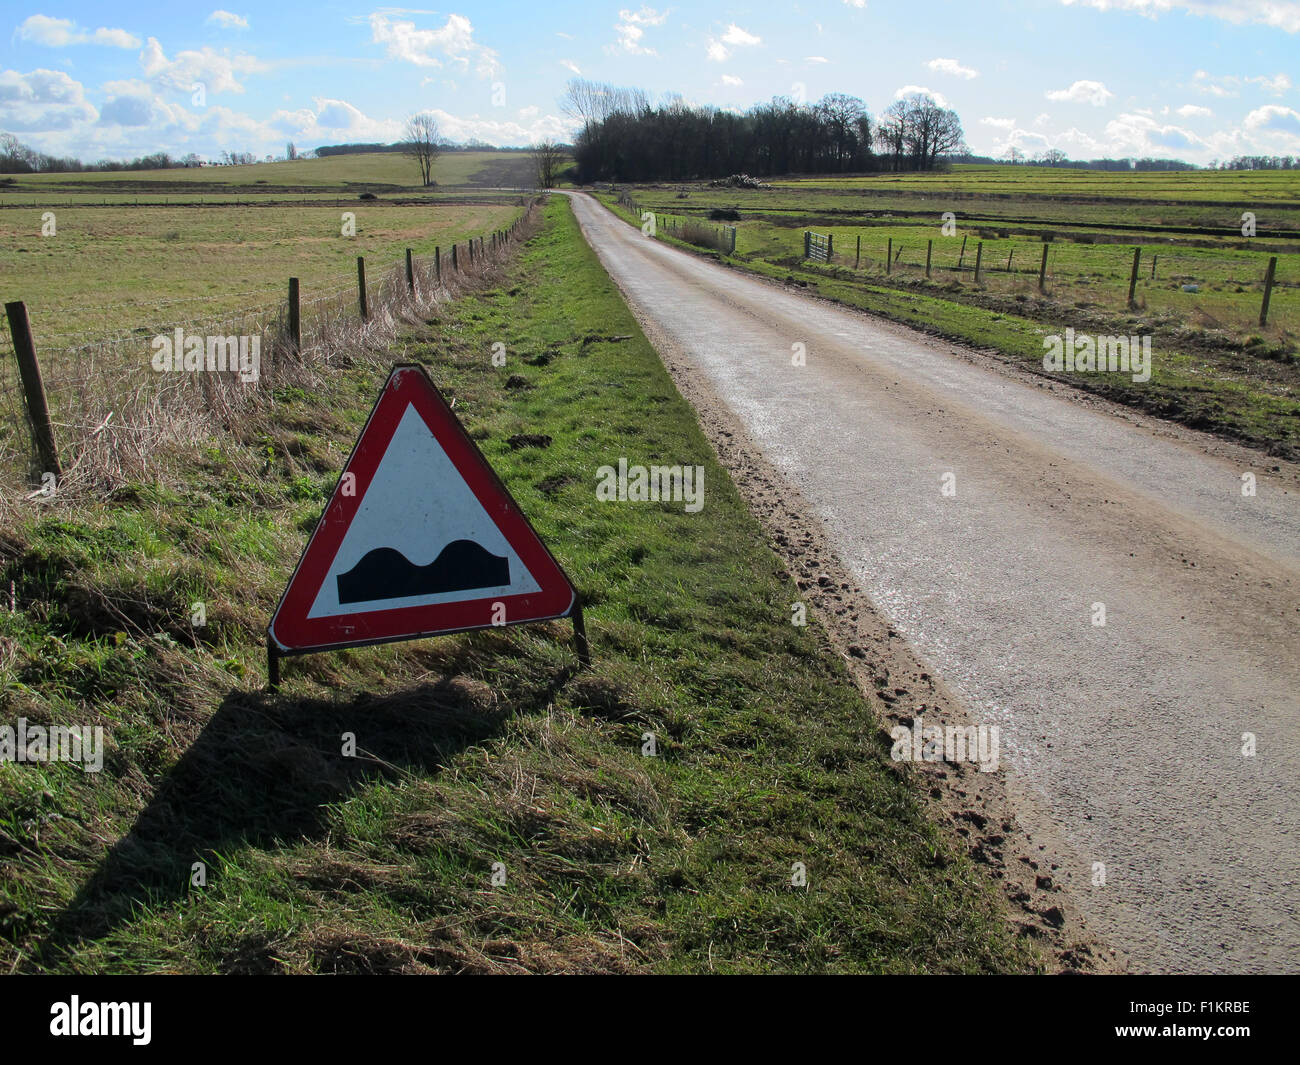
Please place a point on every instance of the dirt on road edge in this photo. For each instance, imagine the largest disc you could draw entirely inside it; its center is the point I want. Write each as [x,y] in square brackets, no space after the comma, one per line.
[978,809]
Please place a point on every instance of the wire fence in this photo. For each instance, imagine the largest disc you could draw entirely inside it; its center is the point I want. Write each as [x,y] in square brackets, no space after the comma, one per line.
[691,230]
[1232,287]
[114,401]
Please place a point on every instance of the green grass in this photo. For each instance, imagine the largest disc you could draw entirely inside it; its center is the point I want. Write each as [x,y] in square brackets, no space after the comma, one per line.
[1215,368]
[472,749]
[108,273]
[369,169]
[1177,202]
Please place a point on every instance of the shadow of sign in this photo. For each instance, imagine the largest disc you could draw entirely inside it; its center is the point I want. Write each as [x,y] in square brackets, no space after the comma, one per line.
[262,772]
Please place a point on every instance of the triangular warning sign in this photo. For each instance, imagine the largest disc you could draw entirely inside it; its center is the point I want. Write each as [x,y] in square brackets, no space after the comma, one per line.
[420,538]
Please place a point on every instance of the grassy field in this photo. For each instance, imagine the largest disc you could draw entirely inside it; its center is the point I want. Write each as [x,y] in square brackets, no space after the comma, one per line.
[1190,200]
[109,273]
[210,251]
[474,749]
[372,171]
[212,241]
[1215,367]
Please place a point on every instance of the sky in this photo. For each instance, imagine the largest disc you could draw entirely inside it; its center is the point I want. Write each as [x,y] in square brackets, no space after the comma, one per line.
[1194,79]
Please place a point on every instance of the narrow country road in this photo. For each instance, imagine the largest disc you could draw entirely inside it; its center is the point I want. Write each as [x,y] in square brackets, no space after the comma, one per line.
[1128,736]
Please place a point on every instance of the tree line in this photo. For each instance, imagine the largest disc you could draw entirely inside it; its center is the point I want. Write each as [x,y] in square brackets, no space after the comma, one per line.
[1054,157]
[624,138]
[1258,162]
[19,158]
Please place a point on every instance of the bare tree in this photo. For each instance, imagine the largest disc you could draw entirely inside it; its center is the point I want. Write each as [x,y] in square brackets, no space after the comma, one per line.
[422,143]
[547,156]
[592,102]
[891,132]
[582,100]
[841,116]
[290,151]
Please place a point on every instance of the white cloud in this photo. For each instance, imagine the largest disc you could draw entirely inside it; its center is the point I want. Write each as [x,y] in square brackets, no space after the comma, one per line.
[856,3]
[218,72]
[1273,118]
[1280,14]
[454,42]
[1026,141]
[951,66]
[815,59]
[333,121]
[227,20]
[731,79]
[998,123]
[1277,85]
[921,90]
[41,101]
[1083,92]
[1194,111]
[114,38]
[132,104]
[741,38]
[569,64]
[1221,87]
[1134,134]
[733,36]
[630,28]
[494,131]
[60,32]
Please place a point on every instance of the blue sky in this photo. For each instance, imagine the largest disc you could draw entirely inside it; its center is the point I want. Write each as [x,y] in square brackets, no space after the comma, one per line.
[1197,79]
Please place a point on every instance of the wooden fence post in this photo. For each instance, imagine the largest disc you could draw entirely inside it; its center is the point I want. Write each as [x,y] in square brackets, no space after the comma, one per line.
[830,247]
[33,387]
[455,259]
[1133,279]
[1268,289]
[361,288]
[437,263]
[979,256]
[857,256]
[889,256]
[929,248]
[1154,258]
[410,273]
[1009,255]
[295,320]
[807,243]
[1042,271]
[962,257]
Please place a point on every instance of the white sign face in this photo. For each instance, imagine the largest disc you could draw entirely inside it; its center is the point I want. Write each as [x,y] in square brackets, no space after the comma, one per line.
[419,537]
